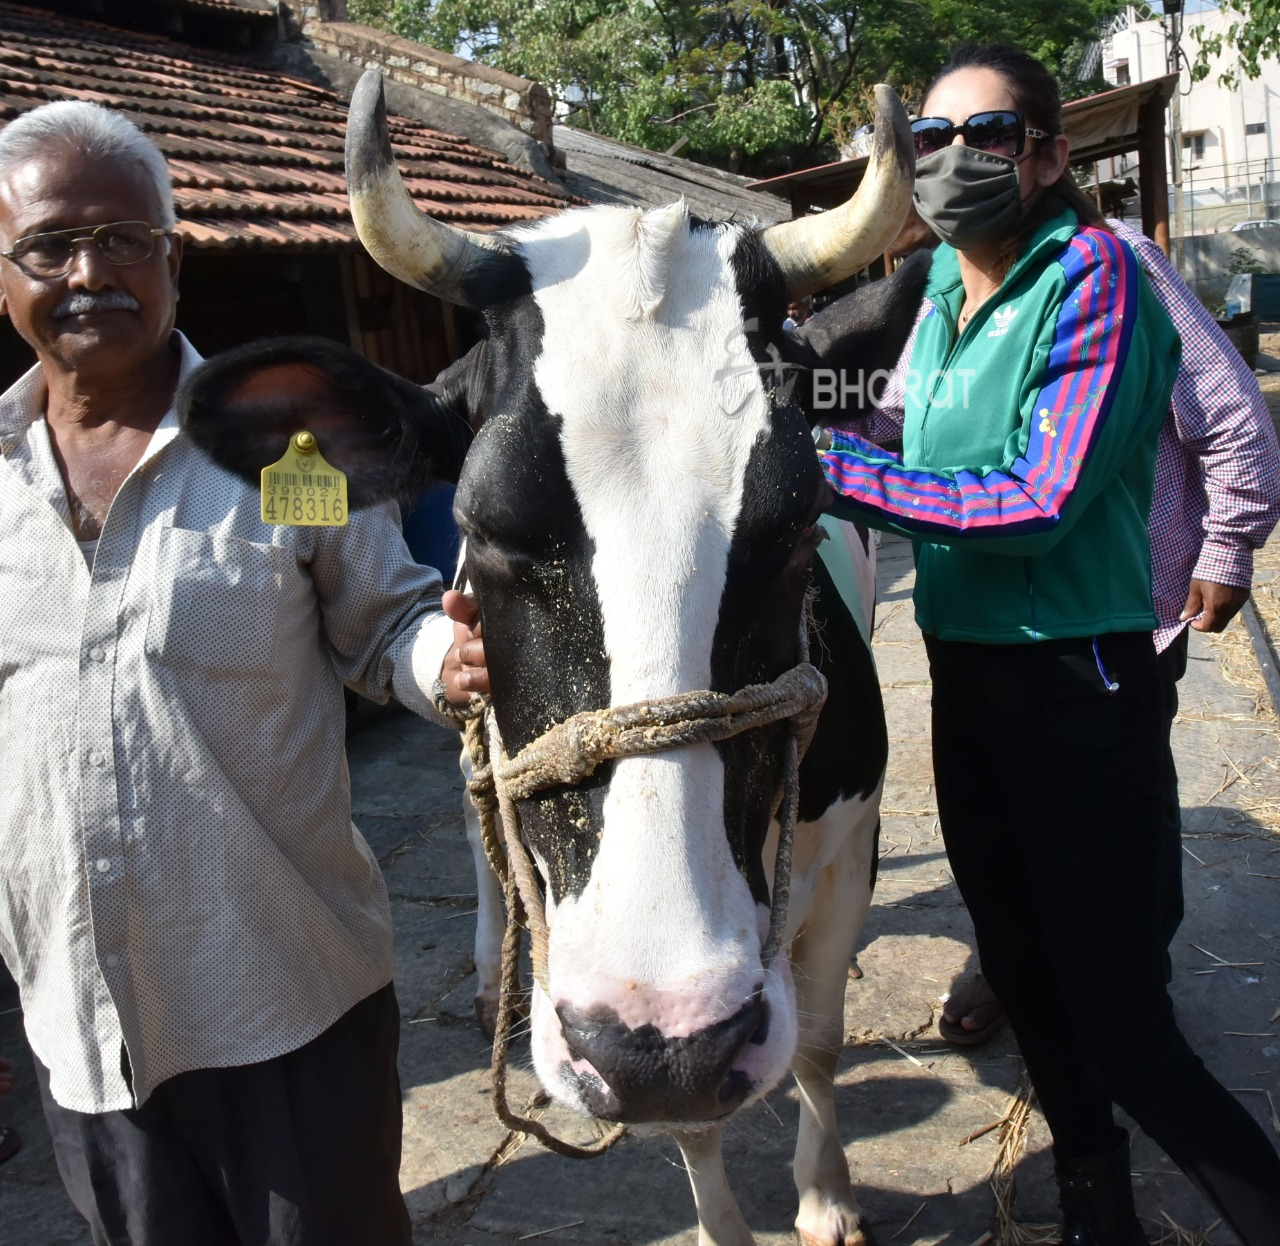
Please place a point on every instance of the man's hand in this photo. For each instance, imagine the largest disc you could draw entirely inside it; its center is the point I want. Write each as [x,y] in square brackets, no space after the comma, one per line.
[1210,606]
[464,671]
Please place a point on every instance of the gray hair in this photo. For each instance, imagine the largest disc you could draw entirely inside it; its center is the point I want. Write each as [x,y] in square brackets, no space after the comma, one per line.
[89,130]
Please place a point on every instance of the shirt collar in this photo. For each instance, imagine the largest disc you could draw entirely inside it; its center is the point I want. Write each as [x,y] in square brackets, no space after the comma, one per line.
[24,402]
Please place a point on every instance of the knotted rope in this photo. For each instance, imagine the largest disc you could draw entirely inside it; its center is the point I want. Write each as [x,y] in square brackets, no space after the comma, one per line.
[570,752]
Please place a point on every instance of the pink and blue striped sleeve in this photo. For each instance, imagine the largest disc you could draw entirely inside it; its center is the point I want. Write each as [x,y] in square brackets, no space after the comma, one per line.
[1065,425]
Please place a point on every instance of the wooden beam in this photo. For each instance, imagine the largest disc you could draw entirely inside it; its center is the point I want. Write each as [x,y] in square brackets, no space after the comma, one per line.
[1153,173]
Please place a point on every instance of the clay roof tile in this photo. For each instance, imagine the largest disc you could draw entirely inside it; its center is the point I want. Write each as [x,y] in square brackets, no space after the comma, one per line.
[256,158]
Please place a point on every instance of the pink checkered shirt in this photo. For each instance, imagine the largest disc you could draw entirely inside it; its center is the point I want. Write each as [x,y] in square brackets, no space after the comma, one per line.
[1217,482]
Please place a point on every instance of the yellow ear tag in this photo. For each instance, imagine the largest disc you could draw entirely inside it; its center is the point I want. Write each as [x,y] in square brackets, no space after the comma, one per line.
[302,489]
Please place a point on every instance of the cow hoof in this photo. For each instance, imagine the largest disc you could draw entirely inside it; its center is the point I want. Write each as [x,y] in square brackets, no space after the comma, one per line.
[861,1235]
[487,1016]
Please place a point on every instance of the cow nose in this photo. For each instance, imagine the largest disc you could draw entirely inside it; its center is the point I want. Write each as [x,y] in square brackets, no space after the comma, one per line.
[649,1077]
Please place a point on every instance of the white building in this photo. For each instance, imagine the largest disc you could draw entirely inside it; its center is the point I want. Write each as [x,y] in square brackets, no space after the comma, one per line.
[1230,137]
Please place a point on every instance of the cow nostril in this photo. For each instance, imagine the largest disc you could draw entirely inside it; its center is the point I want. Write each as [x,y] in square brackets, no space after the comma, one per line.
[761,1035]
[735,1087]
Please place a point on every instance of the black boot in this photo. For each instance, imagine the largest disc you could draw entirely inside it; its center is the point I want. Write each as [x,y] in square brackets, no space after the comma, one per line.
[1097,1201]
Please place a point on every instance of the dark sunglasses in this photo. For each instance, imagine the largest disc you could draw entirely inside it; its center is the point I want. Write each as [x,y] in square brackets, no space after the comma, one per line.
[1003,132]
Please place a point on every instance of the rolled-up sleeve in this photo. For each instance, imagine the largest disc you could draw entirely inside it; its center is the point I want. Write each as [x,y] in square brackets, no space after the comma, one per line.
[386,633]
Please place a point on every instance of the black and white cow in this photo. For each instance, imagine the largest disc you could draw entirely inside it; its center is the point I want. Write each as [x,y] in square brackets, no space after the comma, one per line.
[641,506]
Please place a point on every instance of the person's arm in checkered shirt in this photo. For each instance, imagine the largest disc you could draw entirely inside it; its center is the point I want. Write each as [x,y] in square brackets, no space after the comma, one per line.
[1221,418]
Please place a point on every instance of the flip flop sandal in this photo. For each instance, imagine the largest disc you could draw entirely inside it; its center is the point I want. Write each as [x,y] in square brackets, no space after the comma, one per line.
[955,1033]
[10,1142]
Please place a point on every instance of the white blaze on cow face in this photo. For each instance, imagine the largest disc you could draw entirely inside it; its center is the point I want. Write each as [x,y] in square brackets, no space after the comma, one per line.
[645,364]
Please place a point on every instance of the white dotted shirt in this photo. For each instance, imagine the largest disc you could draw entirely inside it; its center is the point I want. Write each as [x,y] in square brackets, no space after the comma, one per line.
[181,878]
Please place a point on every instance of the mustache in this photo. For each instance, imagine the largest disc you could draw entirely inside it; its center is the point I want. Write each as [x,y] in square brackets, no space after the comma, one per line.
[83,303]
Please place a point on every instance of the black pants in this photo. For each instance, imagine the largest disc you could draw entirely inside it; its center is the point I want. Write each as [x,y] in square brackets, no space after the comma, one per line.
[1172,664]
[1050,797]
[302,1150]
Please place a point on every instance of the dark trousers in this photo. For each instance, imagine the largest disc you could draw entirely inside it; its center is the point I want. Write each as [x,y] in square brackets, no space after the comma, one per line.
[301,1150]
[1172,664]
[1050,798]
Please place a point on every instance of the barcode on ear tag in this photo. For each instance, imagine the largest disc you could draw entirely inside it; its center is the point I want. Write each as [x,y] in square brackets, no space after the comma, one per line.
[302,489]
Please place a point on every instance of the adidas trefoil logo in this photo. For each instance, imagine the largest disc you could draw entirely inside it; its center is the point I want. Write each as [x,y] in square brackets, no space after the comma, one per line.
[1003,318]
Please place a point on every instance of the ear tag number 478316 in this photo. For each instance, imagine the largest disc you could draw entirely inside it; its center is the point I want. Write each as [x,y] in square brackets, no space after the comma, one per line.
[302,489]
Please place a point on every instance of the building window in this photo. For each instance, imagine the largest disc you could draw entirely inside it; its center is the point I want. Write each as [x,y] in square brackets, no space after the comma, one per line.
[1256,127]
[1122,74]
[1193,146]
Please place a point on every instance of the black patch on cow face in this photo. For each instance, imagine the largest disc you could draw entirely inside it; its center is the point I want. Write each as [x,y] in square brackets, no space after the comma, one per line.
[758,631]
[763,293]
[529,561]
[757,634]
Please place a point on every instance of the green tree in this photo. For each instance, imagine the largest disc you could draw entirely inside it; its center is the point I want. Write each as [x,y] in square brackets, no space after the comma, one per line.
[1253,32]
[752,85]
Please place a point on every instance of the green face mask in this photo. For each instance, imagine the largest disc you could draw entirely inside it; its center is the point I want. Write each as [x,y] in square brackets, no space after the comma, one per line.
[968,197]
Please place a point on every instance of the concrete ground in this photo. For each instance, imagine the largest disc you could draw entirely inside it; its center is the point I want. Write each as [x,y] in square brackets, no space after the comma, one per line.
[906,1101]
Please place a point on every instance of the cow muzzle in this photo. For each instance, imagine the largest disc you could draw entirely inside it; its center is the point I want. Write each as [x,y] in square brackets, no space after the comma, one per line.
[620,1072]
[642,1076]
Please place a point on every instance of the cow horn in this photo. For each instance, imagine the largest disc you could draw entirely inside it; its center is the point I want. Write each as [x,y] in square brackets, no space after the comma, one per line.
[447,262]
[818,251]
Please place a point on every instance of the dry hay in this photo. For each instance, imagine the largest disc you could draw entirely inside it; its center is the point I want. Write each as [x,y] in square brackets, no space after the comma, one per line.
[1012,1142]
[1008,1231]
[1254,796]
[1173,1234]
[1239,665]
[1256,785]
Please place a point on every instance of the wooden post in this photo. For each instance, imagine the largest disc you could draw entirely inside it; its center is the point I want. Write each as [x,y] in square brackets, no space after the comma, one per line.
[1153,173]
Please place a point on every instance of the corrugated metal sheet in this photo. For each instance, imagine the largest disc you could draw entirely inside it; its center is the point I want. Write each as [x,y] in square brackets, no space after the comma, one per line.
[256,158]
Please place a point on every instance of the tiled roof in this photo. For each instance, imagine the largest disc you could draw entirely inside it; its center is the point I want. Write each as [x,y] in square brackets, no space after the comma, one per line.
[604,170]
[256,158]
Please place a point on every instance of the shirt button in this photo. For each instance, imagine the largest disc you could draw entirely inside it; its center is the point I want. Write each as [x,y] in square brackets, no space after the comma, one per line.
[98,655]
[104,865]
[111,960]
[96,758]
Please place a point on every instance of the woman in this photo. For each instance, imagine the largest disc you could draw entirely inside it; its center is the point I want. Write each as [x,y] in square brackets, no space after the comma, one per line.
[1038,384]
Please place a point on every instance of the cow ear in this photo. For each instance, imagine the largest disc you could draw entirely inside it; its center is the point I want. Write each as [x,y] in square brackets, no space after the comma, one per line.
[865,332]
[389,436]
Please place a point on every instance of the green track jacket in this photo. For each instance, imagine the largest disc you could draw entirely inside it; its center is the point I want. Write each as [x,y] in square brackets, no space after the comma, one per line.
[1029,446]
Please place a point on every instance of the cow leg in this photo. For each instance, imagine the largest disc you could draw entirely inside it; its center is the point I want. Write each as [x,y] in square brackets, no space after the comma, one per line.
[829,1214]
[720,1223]
[490,919]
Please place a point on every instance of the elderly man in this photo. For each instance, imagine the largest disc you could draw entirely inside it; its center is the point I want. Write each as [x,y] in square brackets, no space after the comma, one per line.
[201,937]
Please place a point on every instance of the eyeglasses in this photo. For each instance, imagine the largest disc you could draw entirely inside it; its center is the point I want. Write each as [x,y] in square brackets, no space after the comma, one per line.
[1003,132]
[43,256]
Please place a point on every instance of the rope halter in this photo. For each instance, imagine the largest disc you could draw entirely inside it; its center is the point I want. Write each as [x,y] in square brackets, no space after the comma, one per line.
[569,753]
